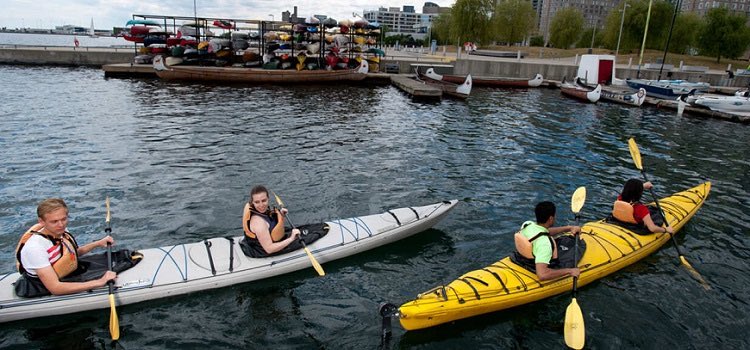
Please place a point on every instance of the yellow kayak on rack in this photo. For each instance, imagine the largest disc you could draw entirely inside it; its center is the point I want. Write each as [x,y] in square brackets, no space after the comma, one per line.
[502,285]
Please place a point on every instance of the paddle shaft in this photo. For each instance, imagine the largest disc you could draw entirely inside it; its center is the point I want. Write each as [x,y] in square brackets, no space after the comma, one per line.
[575,259]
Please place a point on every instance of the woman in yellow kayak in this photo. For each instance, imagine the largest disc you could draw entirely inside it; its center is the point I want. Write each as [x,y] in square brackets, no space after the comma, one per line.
[537,251]
[629,209]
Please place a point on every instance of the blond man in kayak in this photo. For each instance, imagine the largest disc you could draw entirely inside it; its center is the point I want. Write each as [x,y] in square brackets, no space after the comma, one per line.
[47,253]
[537,244]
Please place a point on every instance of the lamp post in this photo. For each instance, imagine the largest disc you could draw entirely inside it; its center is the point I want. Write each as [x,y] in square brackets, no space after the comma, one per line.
[622,20]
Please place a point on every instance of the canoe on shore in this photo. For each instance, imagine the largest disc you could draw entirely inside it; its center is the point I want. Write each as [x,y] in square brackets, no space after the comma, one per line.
[504,284]
[256,75]
[536,81]
[219,262]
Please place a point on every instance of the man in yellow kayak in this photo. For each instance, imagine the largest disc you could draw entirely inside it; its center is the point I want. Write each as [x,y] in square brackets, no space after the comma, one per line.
[541,248]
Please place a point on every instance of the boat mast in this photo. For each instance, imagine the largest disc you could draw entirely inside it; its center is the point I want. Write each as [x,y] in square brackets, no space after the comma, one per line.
[669,37]
[645,33]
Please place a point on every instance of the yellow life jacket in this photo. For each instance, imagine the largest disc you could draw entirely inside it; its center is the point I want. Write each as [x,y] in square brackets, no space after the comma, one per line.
[63,254]
[623,211]
[277,231]
[524,245]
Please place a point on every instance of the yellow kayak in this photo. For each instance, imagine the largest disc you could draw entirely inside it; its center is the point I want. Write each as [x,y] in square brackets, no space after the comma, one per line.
[502,285]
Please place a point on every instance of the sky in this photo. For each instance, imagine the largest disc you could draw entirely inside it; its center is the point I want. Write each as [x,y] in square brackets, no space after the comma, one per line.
[114,13]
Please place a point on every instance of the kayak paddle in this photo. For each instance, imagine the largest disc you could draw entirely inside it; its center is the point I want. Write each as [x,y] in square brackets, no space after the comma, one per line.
[636,155]
[114,323]
[314,261]
[574,329]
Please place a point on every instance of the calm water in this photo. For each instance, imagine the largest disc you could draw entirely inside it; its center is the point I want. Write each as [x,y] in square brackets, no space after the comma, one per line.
[178,160]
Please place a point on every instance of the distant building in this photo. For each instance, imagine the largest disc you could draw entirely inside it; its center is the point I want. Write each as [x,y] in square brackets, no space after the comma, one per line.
[594,12]
[701,7]
[406,21]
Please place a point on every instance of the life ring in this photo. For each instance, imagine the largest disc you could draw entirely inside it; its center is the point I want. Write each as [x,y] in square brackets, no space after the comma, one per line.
[641,93]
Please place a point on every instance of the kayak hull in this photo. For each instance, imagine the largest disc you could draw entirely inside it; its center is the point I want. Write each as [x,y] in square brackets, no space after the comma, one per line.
[504,284]
[185,268]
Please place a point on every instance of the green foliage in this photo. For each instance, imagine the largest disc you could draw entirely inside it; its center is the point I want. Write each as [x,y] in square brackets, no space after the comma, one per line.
[635,23]
[537,40]
[585,39]
[513,20]
[441,29]
[401,39]
[565,28]
[685,32]
[723,34]
[470,21]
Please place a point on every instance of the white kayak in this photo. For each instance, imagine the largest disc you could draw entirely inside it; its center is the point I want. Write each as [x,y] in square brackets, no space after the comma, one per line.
[185,268]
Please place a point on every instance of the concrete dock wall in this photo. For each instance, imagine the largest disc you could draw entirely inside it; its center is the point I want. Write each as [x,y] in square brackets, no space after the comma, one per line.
[64,57]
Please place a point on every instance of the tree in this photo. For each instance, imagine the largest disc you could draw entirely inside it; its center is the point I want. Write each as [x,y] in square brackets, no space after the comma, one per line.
[634,23]
[724,34]
[565,28]
[441,29]
[685,32]
[658,27]
[470,20]
[513,20]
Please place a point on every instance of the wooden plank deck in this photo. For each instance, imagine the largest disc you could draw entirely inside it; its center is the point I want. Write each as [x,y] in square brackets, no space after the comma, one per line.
[415,88]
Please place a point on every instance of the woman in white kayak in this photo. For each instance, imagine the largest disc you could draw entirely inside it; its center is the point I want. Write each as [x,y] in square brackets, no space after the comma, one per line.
[47,254]
[265,234]
[264,226]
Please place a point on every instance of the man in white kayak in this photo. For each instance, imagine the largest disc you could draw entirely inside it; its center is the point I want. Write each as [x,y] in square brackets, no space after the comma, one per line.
[537,245]
[47,253]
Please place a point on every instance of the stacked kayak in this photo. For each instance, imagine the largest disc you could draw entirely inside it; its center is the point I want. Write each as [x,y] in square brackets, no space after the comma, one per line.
[219,262]
[609,248]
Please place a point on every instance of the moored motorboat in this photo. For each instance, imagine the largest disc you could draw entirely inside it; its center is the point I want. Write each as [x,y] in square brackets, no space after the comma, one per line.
[256,75]
[504,284]
[581,93]
[536,81]
[220,262]
[667,89]
[455,90]
[736,104]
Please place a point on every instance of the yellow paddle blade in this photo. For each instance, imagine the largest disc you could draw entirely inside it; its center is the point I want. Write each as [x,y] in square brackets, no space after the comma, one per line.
[315,263]
[106,203]
[114,323]
[579,197]
[635,153]
[575,330]
[278,200]
[693,272]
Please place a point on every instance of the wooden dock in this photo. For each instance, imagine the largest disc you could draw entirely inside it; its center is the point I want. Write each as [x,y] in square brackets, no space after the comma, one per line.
[128,70]
[415,88]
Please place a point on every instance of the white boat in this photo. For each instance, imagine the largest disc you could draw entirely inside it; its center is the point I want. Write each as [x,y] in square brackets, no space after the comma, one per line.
[220,262]
[92,32]
[628,97]
[737,105]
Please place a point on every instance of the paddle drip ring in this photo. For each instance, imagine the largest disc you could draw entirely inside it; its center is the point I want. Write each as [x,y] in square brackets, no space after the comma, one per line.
[641,93]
